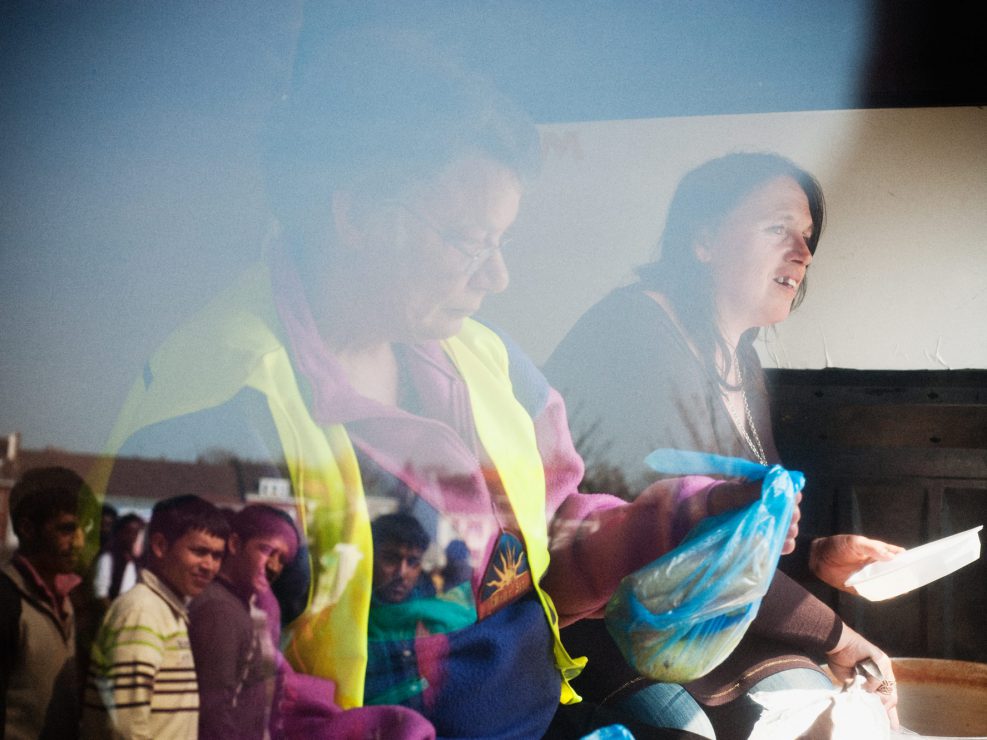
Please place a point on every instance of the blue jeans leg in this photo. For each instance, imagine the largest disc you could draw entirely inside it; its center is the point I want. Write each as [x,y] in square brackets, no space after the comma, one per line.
[666,705]
[734,721]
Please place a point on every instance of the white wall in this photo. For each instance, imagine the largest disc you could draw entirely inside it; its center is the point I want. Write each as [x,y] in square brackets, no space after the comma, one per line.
[900,278]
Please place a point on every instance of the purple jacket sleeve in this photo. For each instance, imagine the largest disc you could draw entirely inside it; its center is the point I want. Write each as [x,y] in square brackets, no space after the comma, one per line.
[597,536]
[305,708]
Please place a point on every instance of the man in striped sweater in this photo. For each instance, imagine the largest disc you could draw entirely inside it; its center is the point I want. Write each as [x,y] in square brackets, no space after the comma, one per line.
[142,680]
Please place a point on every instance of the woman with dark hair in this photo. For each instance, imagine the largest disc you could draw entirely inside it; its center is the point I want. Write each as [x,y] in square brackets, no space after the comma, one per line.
[684,332]
[669,362]
[349,362]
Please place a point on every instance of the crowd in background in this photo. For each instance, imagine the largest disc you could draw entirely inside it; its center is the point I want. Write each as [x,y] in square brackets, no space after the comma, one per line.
[348,354]
[174,628]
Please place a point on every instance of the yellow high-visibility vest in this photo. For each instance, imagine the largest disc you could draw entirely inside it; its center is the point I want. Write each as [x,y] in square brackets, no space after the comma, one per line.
[233,344]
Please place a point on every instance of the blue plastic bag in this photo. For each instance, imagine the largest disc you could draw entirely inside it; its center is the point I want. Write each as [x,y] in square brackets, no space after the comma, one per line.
[681,616]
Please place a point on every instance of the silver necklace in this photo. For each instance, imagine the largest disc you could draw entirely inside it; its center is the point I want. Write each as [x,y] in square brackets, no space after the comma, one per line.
[752,439]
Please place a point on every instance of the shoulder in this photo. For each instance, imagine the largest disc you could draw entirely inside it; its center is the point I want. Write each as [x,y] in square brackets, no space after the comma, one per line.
[748,355]
[628,305]
[218,615]
[136,599]
[140,606]
[208,359]
[242,427]
[137,622]
[528,382]
[242,318]
[216,599]
[212,593]
[624,338]
[626,321]
[16,590]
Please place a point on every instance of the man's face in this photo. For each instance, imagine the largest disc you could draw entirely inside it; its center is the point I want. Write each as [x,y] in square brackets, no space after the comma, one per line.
[189,563]
[128,535]
[396,571]
[106,526]
[57,544]
[257,563]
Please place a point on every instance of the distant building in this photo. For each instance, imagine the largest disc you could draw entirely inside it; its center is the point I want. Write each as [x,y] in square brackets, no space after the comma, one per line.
[137,483]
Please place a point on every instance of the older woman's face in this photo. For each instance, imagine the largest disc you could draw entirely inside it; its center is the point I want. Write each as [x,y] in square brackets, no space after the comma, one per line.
[445,258]
[759,255]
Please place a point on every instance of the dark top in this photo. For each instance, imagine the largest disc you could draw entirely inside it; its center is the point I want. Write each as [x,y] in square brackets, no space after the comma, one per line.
[492,657]
[235,684]
[632,384]
[39,686]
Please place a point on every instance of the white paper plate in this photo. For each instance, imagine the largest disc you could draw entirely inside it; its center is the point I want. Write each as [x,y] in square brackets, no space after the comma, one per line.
[916,567]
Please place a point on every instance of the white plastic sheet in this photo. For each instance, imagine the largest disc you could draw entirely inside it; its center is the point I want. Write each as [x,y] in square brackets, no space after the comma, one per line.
[848,713]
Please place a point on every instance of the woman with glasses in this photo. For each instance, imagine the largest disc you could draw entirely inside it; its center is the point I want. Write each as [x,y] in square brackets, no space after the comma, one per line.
[349,359]
[669,362]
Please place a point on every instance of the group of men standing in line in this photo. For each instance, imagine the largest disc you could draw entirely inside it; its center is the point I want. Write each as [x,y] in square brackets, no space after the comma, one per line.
[190,650]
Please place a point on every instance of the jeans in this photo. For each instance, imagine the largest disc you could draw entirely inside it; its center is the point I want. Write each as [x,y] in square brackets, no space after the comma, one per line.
[669,705]
[666,705]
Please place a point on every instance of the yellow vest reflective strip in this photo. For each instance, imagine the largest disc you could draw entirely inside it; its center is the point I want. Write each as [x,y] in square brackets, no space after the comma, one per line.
[508,436]
[232,346]
[329,494]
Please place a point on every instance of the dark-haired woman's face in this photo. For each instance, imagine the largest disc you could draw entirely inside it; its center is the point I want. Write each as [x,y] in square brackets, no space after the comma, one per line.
[759,255]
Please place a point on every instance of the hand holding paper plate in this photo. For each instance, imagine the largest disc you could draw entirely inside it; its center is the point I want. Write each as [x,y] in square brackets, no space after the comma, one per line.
[916,567]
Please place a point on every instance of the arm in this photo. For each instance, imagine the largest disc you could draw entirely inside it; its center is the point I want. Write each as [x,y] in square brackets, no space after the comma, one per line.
[304,707]
[853,649]
[603,538]
[792,615]
[612,542]
[127,654]
[220,647]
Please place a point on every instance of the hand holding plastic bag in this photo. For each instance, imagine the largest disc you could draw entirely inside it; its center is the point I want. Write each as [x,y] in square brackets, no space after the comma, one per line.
[681,616]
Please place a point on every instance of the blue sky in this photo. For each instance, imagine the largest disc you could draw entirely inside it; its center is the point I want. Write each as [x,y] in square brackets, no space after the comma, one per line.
[128,164]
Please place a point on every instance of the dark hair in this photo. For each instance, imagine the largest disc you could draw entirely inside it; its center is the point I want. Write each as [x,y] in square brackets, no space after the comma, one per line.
[703,199]
[400,528]
[372,111]
[260,520]
[126,519]
[174,517]
[120,553]
[457,550]
[43,493]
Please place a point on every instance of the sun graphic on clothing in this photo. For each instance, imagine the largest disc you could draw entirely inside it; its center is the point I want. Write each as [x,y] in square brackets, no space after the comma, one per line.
[511,560]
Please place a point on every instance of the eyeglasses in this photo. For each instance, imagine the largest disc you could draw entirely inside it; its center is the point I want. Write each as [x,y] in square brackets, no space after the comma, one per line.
[476,251]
